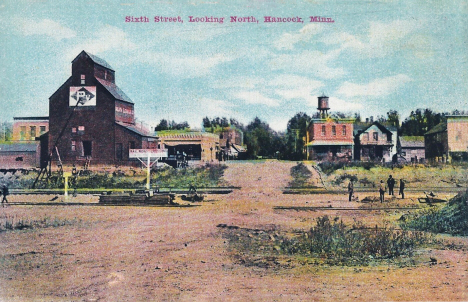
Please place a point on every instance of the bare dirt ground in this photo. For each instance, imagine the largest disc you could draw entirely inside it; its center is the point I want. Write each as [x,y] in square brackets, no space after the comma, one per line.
[156,254]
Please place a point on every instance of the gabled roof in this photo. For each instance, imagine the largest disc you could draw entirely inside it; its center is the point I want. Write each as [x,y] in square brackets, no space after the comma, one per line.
[378,125]
[115,90]
[19,147]
[412,141]
[441,127]
[96,60]
[134,129]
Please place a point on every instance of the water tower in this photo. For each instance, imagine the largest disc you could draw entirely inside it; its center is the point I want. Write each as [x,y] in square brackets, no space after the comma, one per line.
[323,106]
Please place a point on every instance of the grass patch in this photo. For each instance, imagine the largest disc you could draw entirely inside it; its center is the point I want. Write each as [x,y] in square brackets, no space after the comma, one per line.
[451,218]
[329,241]
[13,222]
[204,176]
[418,176]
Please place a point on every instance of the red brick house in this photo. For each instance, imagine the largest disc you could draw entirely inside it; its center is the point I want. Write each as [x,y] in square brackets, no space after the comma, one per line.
[329,138]
[91,119]
[29,128]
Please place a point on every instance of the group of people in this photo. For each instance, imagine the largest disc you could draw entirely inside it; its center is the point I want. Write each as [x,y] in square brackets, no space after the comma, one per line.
[382,188]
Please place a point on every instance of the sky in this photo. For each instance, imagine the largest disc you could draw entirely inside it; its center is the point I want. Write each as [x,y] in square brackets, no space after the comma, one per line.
[376,56]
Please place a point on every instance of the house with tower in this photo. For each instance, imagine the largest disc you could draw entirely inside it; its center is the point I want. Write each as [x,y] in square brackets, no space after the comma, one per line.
[329,138]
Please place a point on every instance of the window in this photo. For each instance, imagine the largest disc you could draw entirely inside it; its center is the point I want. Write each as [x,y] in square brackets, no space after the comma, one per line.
[73,145]
[22,132]
[119,151]
[323,130]
[32,132]
[375,135]
[80,128]
[389,137]
[344,130]
[87,148]
[131,145]
[74,130]
[334,130]
[42,129]
[366,136]
[83,79]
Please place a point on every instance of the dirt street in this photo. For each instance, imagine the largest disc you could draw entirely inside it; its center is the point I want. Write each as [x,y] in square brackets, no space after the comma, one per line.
[164,254]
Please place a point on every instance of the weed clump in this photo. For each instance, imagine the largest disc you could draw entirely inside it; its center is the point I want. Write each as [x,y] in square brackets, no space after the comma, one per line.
[12,222]
[329,241]
[451,218]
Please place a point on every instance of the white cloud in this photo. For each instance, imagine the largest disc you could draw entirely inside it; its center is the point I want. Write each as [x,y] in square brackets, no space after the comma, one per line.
[181,66]
[278,124]
[106,38]
[288,40]
[341,105]
[45,27]
[377,88]
[382,38]
[255,97]
[214,107]
[294,81]
[238,82]
[309,62]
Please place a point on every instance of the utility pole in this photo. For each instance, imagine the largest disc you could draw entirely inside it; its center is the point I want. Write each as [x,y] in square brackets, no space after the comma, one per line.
[296,132]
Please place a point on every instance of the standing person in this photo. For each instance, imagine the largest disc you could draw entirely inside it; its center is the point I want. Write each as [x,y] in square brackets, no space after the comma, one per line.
[402,188]
[350,189]
[391,184]
[382,191]
[5,194]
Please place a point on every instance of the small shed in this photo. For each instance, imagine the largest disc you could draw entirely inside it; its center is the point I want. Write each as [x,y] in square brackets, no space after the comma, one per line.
[412,148]
[24,155]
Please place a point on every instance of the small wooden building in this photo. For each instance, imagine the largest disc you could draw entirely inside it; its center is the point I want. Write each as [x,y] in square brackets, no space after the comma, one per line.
[193,145]
[20,155]
[412,148]
[448,140]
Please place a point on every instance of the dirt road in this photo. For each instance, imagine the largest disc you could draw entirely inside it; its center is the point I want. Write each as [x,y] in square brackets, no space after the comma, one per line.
[156,254]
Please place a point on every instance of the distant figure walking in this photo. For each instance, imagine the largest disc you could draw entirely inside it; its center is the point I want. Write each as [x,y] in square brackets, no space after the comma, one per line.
[402,188]
[5,193]
[391,184]
[350,189]
[382,190]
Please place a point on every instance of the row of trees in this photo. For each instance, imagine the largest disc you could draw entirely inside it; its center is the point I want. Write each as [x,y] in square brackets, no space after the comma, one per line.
[262,141]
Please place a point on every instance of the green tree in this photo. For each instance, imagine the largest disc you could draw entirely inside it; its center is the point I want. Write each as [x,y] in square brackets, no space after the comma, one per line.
[421,121]
[261,140]
[163,125]
[295,133]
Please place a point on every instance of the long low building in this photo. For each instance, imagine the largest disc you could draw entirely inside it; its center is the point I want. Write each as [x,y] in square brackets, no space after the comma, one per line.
[198,146]
[20,155]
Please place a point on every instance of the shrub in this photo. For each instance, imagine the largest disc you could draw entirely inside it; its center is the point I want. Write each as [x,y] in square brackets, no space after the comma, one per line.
[330,167]
[301,175]
[451,218]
